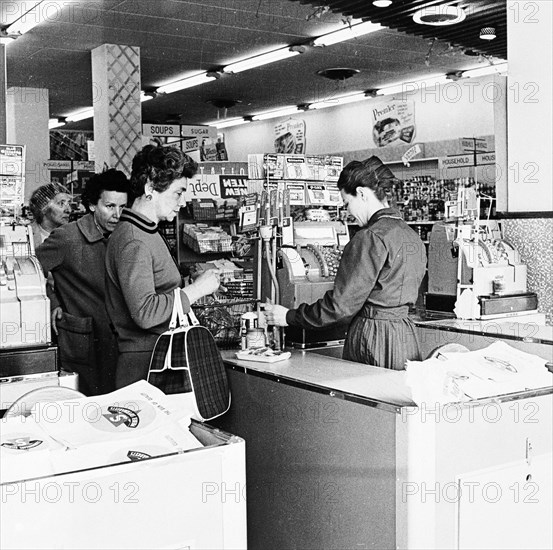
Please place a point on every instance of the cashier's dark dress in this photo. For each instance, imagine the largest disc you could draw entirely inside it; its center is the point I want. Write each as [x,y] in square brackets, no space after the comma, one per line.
[379,275]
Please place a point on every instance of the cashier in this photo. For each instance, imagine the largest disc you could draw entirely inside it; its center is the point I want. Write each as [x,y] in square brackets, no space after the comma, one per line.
[379,275]
[50,205]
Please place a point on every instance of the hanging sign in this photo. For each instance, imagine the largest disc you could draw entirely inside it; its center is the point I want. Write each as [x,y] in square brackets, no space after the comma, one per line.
[393,122]
[58,164]
[190,145]
[233,187]
[208,132]
[290,137]
[472,144]
[161,130]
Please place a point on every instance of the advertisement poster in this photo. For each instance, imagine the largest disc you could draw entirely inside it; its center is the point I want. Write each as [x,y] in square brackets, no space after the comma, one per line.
[393,123]
[12,179]
[290,137]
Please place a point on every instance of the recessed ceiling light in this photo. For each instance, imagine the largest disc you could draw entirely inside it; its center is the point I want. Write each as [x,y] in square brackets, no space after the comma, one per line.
[439,15]
[382,3]
[487,33]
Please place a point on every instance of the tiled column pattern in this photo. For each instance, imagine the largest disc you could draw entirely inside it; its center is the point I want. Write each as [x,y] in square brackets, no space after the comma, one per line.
[117,112]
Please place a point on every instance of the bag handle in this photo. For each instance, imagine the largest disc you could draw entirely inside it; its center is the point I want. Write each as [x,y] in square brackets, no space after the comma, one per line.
[178,316]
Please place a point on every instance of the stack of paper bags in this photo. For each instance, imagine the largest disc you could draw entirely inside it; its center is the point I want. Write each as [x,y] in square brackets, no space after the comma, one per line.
[498,369]
[134,423]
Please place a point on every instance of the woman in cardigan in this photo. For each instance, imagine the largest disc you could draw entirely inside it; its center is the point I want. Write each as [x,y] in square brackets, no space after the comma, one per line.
[141,273]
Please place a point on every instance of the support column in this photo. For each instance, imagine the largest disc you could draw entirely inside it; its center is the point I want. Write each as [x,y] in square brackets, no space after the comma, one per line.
[117,110]
[27,113]
[3,121]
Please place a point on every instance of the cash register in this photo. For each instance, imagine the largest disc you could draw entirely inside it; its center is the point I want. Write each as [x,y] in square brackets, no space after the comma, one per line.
[28,358]
[307,270]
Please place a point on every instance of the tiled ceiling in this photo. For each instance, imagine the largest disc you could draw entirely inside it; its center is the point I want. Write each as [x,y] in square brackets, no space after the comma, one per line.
[180,37]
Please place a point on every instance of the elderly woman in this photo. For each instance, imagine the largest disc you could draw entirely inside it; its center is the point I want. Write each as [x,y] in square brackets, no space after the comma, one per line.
[141,273]
[51,207]
[75,256]
[379,275]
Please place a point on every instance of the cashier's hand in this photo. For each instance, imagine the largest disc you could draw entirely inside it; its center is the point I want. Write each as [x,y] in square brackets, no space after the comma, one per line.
[207,283]
[276,315]
[55,316]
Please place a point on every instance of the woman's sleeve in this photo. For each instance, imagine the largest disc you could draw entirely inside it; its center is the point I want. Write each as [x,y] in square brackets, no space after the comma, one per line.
[135,272]
[361,263]
[51,252]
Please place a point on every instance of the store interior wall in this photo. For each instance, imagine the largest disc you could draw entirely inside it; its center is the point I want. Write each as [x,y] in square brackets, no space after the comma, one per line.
[451,111]
[27,113]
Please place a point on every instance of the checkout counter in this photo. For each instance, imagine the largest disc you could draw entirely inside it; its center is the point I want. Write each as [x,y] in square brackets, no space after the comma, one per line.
[340,457]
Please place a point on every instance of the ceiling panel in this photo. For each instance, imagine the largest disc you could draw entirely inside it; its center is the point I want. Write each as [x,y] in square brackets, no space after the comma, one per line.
[178,37]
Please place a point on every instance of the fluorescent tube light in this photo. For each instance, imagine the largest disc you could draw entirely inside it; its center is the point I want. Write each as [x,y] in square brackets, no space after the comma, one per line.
[488,69]
[31,18]
[411,86]
[346,34]
[263,59]
[54,123]
[184,83]
[334,101]
[228,123]
[145,97]
[80,115]
[277,113]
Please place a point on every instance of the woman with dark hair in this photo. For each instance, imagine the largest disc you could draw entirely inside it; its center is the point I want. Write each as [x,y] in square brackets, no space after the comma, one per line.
[379,275]
[141,273]
[75,256]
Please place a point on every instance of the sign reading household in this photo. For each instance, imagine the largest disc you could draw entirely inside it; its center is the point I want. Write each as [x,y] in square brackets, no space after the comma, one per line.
[290,137]
[393,122]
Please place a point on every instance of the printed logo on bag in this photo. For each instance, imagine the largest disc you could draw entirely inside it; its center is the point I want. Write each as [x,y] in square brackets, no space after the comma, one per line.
[119,415]
[23,443]
[135,456]
[126,416]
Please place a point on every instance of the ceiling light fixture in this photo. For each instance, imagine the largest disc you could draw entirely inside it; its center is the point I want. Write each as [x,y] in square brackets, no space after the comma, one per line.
[488,69]
[487,33]
[185,83]
[229,123]
[407,87]
[342,100]
[352,31]
[80,115]
[55,123]
[284,111]
[31,18]
[439,15]
[382,3]
[263,59]
[146,96]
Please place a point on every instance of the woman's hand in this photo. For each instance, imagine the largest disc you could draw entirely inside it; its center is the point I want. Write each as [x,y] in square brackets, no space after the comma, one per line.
[55,316]
[207,283]
[276,315]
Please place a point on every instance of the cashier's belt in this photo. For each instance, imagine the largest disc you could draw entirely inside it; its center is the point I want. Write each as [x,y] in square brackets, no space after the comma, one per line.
[376,312]
[23,301]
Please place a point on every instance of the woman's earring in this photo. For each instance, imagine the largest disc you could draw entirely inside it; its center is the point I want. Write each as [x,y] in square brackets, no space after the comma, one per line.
[149,197]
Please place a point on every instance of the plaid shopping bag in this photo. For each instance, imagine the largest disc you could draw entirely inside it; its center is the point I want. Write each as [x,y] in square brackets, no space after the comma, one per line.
[186,359]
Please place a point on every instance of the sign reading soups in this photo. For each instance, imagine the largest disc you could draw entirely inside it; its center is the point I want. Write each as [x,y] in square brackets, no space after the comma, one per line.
[393,122]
